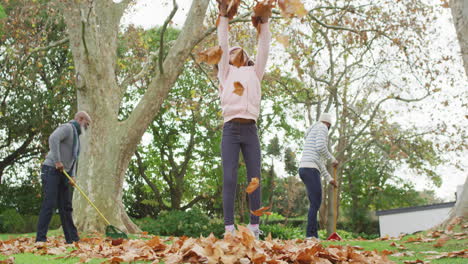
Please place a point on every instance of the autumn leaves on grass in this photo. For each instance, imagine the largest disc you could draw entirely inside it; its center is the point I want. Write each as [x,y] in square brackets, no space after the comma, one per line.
[253,185]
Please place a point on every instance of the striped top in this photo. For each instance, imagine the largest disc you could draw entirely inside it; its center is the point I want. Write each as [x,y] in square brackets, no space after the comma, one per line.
[316,149]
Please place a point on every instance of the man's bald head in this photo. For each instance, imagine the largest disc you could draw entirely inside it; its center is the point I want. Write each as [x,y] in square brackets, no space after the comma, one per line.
[83,119]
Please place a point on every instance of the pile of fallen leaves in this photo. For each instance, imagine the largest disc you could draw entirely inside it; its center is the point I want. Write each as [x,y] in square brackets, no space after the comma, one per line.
[241,248]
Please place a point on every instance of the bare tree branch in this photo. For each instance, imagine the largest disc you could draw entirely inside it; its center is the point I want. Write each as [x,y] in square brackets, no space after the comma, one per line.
[161,39]
[154,188]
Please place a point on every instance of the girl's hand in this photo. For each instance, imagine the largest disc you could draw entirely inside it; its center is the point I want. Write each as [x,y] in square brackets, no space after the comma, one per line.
[228,8]
[262,12]
[223,6]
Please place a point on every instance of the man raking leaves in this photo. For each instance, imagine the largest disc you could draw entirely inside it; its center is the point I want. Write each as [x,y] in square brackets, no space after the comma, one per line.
[111,231]
[311,167]
[64,144]
[58,174]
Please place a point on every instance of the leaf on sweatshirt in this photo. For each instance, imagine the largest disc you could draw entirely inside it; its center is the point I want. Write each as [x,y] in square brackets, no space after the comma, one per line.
[211,55]
[239,58]
[254,183]
[238,88]
[292,8]
[261,211]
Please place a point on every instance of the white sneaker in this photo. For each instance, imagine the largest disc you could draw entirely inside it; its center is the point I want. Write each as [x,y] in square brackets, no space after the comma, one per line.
[231,232]
[255,231]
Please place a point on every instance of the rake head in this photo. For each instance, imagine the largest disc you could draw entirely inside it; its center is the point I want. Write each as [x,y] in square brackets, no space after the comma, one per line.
[114,232]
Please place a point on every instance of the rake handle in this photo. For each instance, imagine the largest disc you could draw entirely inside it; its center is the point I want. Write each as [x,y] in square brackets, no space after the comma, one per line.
[85,196]
[335,194]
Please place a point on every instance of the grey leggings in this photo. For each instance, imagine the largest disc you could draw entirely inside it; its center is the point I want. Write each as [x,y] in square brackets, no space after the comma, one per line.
[236,137]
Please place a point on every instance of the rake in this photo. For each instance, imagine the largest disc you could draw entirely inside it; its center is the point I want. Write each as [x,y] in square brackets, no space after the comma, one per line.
[334,235]
[111,231]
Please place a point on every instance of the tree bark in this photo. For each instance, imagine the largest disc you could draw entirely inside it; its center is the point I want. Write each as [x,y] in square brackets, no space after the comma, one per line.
[460,20]
[460,210]
[109,144]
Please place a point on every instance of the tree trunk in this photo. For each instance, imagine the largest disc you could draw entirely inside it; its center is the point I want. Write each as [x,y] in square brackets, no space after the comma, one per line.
[460,20]
[108,146]
[101,174]
[460,210]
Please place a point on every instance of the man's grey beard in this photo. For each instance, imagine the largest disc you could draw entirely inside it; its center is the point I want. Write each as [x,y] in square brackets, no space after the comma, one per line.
[83,131]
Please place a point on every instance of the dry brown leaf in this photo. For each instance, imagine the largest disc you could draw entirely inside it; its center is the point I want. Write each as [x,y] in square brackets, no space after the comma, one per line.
[291,8]
[445,4]
[156,244]
[453,223]
[253,185]
[239,90]
[441,241]
[403,254]
[386,252]
[435,234]
[261,211]
[232,8]
[9,260]
[240,248]
[117,242]
[238,58]
[415,261]
[211,55]
[262,10]
[413,239]
[283,40]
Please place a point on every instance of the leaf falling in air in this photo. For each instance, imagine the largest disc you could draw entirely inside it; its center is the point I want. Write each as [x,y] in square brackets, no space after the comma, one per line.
[238,59]
[261,211]
[233,5]
[291,8]
[445,4]
[283,39]
[211,55]
[253,185]
[238,89]
[261,9]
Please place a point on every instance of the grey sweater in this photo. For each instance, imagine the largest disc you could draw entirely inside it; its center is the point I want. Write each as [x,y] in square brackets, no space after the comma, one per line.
[61,148]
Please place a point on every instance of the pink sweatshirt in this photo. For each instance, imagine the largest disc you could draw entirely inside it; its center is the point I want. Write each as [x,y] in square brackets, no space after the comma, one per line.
[248,104]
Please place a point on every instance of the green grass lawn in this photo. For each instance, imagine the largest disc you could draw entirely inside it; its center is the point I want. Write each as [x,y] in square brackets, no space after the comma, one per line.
[416,249]
[451,245]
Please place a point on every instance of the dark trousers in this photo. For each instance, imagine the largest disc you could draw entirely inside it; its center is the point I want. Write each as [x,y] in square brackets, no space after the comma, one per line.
[311,179]
[57,193]
[239,137]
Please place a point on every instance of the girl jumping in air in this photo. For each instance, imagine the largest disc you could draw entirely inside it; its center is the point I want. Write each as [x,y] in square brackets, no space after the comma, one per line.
[240,94]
